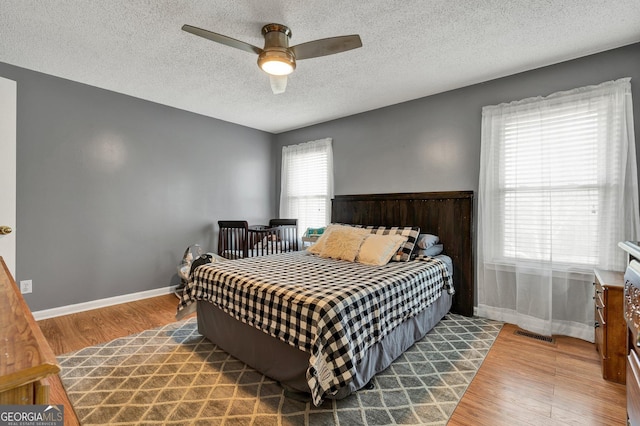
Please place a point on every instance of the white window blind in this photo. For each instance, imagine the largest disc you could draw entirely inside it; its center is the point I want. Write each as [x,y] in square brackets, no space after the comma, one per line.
[553,184]
[307,183]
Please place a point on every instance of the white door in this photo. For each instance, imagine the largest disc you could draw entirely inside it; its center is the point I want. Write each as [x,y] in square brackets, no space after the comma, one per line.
[8,173]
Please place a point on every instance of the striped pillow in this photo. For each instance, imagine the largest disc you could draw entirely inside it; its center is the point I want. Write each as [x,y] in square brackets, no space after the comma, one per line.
[411,232]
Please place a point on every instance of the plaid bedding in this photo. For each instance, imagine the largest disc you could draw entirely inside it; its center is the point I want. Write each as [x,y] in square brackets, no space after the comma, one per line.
[333,309]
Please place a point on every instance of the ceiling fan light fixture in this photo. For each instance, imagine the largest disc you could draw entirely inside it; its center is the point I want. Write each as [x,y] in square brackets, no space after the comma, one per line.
[276,62]
[276,58]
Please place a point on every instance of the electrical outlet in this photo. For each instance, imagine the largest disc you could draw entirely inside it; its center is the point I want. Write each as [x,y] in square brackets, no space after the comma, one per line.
[26,286]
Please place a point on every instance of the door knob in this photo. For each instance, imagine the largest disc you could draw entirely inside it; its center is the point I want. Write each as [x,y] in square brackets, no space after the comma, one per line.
[5,230]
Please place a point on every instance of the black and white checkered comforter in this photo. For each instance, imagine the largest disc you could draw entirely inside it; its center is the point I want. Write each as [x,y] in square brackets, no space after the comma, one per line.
[333,309]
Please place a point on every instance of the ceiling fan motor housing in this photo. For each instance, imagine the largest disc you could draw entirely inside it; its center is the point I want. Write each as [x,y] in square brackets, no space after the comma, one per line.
[276,46]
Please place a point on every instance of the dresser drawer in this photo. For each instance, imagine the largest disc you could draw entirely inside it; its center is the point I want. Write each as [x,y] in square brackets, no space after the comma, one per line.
[600,334]
[632,304]
[600,316]
[598,294]
[633,388]
[610,328]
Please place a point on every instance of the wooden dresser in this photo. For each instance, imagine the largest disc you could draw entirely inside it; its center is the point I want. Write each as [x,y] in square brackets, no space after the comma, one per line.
[632,318]
[632,314]
[610,327]
[26,359]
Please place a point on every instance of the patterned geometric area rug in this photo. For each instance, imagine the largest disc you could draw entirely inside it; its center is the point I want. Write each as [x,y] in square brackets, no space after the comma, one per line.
[173,375]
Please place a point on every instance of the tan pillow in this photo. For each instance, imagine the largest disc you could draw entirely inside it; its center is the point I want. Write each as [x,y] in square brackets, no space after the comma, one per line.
[317,247]
[343,244]
[379,249]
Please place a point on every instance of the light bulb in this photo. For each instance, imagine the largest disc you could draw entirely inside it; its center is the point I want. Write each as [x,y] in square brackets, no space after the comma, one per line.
[277,61]
[277,67]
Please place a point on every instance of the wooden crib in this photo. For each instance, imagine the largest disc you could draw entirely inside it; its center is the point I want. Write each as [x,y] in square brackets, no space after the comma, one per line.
[237,240]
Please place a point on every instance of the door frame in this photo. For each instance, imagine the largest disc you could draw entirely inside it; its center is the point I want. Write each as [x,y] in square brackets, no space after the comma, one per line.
[8,124]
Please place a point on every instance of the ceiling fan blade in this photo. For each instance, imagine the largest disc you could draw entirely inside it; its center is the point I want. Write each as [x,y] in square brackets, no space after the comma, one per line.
[278,83]
[219,38]
[326,46]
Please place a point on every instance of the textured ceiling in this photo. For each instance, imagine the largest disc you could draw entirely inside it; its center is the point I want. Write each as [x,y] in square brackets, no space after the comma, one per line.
[411,49]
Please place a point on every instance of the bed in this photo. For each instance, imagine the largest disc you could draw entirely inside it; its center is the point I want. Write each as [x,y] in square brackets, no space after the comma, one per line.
[274,312]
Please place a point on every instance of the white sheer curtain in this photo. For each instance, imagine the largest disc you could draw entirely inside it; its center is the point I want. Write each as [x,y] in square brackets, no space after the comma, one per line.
[307,183]
[558,190]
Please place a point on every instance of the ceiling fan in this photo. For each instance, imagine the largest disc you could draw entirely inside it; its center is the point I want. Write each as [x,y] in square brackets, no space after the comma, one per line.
[277,58]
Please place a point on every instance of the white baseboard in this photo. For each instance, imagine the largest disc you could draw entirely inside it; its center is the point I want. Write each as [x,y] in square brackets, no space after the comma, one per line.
[101,303]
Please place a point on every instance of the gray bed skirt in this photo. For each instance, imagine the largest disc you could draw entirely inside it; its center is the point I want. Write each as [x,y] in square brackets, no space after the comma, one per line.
[288,365]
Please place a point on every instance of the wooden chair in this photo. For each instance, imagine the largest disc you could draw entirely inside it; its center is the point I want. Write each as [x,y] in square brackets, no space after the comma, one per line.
[233,239]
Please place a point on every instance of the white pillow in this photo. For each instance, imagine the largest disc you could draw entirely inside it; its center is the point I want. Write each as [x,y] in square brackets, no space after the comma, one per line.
[317,247]
[343,244]
[379,249]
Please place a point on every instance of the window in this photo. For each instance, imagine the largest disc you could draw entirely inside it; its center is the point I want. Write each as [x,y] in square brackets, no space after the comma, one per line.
[551,187]
[556,168]
[307,183]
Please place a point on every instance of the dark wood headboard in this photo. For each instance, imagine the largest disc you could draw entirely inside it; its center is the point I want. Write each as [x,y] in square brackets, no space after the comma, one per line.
[448,215]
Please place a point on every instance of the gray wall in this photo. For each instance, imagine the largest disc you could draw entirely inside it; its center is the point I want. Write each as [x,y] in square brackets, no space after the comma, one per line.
[111,189]
[433,143]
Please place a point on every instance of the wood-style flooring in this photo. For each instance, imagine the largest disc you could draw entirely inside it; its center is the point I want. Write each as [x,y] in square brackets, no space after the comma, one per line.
[522,381]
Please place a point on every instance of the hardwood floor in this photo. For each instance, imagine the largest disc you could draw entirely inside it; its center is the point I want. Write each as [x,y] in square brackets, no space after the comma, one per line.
[525,381]
[521,382]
